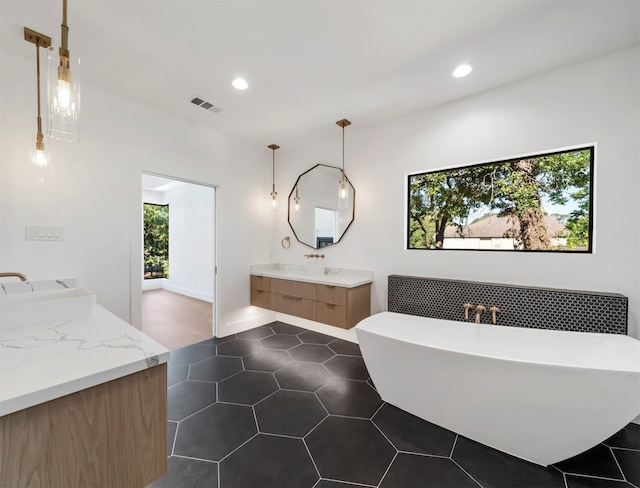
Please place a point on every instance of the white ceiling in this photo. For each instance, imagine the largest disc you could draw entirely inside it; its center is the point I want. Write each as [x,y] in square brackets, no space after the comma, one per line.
[311,63]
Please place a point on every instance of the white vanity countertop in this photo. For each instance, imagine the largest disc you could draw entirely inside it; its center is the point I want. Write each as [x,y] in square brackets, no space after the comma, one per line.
[44,362]
[322,275]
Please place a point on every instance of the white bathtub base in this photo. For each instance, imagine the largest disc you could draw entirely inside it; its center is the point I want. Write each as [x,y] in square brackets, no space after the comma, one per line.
[540,412]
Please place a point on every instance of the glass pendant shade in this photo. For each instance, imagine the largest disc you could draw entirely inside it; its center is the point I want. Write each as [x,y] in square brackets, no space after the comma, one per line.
[63,91]
[40,167]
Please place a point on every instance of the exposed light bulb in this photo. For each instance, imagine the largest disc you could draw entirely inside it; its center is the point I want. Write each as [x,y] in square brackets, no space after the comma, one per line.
[63,96]
[40,158]
[297,206]
[343,191]
[273,200]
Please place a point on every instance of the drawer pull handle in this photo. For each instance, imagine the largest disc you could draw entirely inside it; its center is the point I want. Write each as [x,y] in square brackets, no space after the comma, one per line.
[292,298]
[332,305]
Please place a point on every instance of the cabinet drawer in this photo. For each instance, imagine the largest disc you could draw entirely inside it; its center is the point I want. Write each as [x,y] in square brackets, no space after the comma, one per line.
[294,288]
[332,314]
[262,299]
[335,295]
[262,283]
[300,307]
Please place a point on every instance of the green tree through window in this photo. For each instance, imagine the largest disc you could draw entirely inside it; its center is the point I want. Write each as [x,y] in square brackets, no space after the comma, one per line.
[156,241]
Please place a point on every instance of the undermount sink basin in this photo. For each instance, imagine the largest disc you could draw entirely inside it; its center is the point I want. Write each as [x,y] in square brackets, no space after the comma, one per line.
[302,270]
[45,307]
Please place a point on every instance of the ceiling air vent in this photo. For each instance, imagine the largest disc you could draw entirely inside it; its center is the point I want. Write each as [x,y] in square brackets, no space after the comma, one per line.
[206,105]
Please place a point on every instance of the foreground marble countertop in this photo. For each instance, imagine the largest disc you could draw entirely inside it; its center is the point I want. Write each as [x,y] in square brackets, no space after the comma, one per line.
[322,275]
[45,362]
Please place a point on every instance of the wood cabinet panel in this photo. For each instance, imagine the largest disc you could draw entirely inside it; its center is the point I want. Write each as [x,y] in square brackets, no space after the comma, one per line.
[261,298]
[336,295]
[113,434]
[300,307]
[328,313]
[262,283]
[358,304]
[294,288]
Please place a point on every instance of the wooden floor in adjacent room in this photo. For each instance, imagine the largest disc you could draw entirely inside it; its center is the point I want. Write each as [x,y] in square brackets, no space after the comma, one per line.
[175,320]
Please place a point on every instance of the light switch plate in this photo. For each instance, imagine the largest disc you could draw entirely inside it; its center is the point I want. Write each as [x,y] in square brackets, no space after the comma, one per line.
[43,233]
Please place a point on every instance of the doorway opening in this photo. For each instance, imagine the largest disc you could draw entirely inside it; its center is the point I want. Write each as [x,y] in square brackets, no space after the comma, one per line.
[178,278]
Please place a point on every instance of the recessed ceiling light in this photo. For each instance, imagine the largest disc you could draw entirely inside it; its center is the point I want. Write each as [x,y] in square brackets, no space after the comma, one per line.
[240,84]
[462,70]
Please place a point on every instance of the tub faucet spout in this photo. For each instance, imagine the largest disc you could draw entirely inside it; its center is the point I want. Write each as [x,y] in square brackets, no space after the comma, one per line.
[480,309]
[494,310]
[467,307]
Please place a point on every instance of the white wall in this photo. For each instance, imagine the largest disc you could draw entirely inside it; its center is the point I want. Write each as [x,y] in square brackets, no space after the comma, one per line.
[596,101]
[96,194]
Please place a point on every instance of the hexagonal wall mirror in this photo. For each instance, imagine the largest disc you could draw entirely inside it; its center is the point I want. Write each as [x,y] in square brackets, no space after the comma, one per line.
[321,206]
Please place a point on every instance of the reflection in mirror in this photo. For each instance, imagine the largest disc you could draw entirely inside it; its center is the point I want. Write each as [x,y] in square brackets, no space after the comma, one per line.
[321,206]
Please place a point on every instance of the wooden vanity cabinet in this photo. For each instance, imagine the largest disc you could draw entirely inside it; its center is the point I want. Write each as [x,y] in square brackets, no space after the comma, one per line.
[333,305]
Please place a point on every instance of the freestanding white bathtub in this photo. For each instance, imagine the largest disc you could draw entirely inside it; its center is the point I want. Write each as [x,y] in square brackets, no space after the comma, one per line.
[540,395]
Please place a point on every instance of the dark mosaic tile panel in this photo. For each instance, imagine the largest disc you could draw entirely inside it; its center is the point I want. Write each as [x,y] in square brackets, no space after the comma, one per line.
[311,337]
[348,449]
[257,333]
[493,468]
[188,397]
[347,348]
[349,398]
[171,436]
[347,367]
[279,341]
[238,347]
[282,328]
[302,376]
[597,461]
[412,434]
[269,461]
[176,373]
[575,481]
[629,463]
[215,369]
[248,387]
[266,360]
[292,413]
[192,354]
[629,438]
[544,308]
[215,431]
[188,473]
[410,470]
[311,353]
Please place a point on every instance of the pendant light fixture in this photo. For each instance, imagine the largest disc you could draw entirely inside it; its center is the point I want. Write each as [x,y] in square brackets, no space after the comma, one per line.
[40,168]
[343,191]
[273,147]
[63,88]
[296,200]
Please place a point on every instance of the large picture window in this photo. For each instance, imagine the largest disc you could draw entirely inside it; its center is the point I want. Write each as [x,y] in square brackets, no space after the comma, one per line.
[540,202]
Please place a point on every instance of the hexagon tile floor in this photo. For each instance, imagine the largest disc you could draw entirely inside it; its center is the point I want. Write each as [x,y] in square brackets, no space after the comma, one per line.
[279,406]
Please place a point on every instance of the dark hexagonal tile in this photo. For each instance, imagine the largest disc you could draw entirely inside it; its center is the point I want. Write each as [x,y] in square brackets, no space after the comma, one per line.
[215,431]
[292,413]
[334,484]
[192,354]
[490,467]
[597,461]
[628,438]
[575,481]
[412,434]
[350,449]
[188,397]
[347,367]
[629,462]
[257,333]
[215,369]
[347,348]
[414,470]
[171,435]
[311,353]
[311,337]
[281,342]
[248,387]
[302,376]
[238,347]
[176,373]
[349,398]
[266,360]
[188,472]
[269,461]
[282,328]
[214,341]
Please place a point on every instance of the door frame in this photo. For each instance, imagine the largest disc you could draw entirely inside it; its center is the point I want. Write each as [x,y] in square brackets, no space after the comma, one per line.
[137,246]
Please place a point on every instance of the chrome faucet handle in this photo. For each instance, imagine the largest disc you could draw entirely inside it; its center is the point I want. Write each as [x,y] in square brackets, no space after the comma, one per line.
[494,311]
[467,307]
[480,309]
